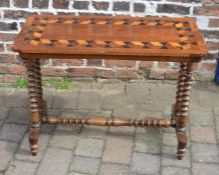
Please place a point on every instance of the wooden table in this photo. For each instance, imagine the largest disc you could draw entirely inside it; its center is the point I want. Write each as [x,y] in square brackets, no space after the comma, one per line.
[107,37]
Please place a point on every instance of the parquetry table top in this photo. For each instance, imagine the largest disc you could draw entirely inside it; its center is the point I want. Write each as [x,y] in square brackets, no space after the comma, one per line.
[107,35]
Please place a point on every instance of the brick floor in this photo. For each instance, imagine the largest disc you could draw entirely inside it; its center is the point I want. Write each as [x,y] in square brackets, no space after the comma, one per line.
[22,116]
[3,112]
[118,149]
[55,162]
[21,168]
[168,157]
[205,152]
[92,150]
[203,169]
[13,132]
[175,170]
[113,169]
[64,139]
[66,100]
[22,152]
[7,149]
[147,140]
[145,163]
[203,134]
[85,165]
[90,147]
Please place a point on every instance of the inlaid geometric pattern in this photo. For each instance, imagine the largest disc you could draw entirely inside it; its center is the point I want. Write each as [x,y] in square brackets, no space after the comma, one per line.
[186,38]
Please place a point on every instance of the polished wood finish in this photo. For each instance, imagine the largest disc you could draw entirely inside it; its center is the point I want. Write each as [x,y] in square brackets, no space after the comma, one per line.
[111,57]
[139,37]
[101,121]
[182,115]
[35,94]
[179,93]
[181,107]
[38,81]
[107,37]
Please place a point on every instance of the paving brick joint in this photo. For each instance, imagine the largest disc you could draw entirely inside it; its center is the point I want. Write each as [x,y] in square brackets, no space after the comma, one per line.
[92,150]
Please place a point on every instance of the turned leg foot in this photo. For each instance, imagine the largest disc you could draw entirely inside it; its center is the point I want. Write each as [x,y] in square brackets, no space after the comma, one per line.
[182,144]
[34,134]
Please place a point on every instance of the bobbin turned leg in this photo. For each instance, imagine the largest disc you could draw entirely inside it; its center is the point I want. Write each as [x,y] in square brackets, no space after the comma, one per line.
[182,111]
[180,84]
[34,105]
[38,82]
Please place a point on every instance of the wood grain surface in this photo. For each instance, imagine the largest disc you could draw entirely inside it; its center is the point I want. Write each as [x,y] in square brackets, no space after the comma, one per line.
[131,37]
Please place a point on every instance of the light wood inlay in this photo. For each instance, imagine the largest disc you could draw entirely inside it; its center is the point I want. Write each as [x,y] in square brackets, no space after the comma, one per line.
[111,36]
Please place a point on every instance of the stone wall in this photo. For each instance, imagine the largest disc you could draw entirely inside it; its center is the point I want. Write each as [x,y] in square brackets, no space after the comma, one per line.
[14,12]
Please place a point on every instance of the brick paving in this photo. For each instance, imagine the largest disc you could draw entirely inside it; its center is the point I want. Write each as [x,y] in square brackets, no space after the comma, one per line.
[91,150]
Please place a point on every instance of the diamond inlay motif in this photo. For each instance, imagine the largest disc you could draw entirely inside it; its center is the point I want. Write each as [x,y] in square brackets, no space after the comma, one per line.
[186,38]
